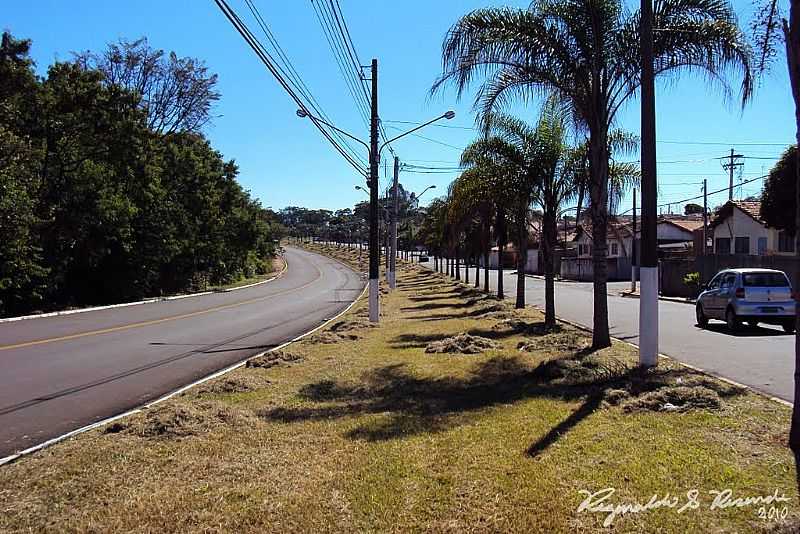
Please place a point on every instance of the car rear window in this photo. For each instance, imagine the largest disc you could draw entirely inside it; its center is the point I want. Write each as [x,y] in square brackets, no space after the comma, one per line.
[765,280]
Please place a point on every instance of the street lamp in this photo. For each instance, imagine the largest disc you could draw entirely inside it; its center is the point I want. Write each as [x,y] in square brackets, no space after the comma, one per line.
[374,158]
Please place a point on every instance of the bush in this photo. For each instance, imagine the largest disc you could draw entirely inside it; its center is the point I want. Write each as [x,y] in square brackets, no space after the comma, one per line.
[692,281]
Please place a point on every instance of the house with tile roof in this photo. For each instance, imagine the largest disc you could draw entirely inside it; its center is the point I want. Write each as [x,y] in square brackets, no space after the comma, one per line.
[737,228]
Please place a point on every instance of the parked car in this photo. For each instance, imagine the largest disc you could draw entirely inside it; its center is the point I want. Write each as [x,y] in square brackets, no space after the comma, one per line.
[748,295]
[423,259]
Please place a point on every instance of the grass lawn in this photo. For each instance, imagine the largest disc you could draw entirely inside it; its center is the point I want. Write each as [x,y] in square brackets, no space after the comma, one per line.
[358,428]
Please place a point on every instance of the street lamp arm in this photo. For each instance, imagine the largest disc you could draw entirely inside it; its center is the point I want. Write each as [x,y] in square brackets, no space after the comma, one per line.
[449,115]
[302,113]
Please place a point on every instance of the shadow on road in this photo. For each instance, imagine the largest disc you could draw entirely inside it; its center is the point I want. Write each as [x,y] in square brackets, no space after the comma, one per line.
[743,331]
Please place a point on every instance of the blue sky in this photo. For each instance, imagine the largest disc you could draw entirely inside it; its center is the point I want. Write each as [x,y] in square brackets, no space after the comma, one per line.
[285,161]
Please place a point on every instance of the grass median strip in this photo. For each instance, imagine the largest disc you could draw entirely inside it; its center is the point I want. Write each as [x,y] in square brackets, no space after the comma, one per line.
[500,426]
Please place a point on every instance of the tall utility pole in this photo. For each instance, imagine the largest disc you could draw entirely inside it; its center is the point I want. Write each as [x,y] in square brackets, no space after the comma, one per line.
[730,167]
[705,217]
[393,230]
[374,256]
[633,247]
[648,272]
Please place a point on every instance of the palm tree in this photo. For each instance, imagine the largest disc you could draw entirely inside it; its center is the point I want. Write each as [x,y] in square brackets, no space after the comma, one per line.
[501,165]
[469,200]
[588,52]
[556,185]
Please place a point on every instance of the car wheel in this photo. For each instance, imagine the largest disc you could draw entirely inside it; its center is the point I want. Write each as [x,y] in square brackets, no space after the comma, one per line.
[788,327]
[702,320]
[733,322]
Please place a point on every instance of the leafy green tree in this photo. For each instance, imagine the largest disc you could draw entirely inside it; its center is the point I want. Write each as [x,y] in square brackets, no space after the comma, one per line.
[177,94]
[779,198]
[588,52]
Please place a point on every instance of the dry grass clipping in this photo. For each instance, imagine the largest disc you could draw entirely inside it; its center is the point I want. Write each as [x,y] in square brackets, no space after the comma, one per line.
[462,343]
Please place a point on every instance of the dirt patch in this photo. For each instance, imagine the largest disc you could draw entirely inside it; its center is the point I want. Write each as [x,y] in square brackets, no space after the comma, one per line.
[271,359]
[674,399]
[462,343]
[182,420]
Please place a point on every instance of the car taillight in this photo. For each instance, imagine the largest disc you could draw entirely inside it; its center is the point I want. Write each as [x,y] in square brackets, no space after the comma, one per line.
[740,293]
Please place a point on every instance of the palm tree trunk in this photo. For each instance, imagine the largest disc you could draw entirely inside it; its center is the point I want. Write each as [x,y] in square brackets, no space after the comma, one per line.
[601,337]
[548,246]
[487,243]
[522,257]
[792,35]
[458,264]
[501,246]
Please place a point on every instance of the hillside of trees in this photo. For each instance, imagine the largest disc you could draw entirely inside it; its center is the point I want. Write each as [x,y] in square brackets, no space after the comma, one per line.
[108,189]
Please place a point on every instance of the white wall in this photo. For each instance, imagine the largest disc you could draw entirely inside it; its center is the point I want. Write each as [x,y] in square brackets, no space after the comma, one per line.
[624,247]
[670,232]
[742,225]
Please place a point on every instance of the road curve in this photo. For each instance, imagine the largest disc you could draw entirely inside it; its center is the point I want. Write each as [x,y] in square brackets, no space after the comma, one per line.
[61,373]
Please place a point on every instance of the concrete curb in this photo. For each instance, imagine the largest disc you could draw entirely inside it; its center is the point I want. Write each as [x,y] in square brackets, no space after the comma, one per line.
[16,456]
[138,302]
[629,295]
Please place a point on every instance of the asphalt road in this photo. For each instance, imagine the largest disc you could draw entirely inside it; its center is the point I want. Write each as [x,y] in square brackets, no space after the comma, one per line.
[762,357]
[61,373]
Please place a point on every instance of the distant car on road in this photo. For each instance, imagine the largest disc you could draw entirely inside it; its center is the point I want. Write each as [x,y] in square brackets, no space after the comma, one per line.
[423,259]
[748,295]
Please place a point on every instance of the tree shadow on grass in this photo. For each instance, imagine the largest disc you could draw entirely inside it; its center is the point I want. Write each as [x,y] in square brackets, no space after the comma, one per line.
[411,405]
[515,327]
[436,306]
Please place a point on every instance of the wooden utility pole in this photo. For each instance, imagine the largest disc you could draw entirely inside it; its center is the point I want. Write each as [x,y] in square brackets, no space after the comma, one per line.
[705,217]
[730,167]
[374,253]
[393,229]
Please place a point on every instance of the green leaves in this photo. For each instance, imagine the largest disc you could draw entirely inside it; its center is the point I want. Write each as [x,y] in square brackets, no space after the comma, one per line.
[96,207]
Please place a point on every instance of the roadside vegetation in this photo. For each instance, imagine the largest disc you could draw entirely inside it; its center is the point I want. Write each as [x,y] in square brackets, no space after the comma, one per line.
[108,189]
[457,413]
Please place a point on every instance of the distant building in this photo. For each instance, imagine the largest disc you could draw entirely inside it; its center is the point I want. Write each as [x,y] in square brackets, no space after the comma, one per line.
[619,241]
[737,228]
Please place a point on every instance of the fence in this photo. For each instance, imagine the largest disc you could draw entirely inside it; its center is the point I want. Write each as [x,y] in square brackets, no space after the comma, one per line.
[672,272]
[583,268]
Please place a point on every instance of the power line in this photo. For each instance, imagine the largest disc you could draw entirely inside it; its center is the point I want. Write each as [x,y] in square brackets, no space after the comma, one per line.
[269,62]
[353,86]
[297,80]
[431,140]
[723,190]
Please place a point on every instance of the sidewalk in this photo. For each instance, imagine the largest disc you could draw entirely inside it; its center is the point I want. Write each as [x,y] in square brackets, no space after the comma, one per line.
[635,295]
